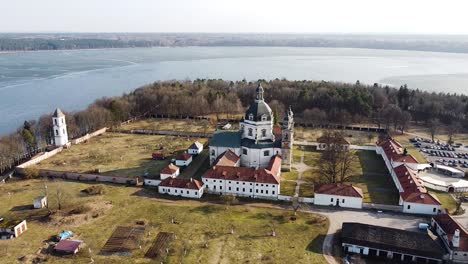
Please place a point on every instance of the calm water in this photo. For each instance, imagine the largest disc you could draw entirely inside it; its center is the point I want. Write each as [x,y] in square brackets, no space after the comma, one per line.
[37,82]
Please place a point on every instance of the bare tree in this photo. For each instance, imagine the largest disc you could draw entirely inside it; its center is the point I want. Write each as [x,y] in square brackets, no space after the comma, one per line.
[433,126]
[229,199]
[60,196]
[452,130]
[336,161]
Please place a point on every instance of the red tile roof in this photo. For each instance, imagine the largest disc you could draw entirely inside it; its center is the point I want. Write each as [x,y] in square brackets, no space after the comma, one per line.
[266,175]
[181,183]
[413,188]
[449,225]
[339,189]
[184,156]
[394,151]
[169,169]
[228,158]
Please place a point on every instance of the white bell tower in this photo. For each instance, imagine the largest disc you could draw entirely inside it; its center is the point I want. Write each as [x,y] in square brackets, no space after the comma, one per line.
[59,128]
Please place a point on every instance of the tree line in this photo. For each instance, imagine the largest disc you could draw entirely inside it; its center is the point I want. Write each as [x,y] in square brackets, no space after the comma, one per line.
[315,103]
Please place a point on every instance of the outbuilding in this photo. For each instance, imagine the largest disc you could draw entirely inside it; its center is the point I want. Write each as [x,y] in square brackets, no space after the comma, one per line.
[190,188]
[12,228]
[337,194]
[196,148]
[40,202]
[68,247]
[390,244]
[183,159]
[170,171]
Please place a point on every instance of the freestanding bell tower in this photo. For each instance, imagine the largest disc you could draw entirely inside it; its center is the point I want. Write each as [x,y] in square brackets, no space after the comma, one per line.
[287,131]
[59,128]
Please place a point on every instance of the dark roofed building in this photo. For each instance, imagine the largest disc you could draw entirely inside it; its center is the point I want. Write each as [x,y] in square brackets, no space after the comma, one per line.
[391,243]
[453,235]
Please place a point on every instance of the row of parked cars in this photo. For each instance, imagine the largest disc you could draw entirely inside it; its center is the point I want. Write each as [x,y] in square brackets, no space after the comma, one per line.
[453,163]
[444,154]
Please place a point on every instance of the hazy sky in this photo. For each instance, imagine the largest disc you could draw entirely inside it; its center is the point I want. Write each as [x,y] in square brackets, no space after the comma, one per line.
[295,16]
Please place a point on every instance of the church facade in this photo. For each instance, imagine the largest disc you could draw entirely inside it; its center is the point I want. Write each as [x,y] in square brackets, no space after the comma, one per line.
[257,140]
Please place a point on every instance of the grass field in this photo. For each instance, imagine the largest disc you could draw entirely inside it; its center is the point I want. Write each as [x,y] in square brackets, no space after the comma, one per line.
[370,174]
[446,200]
[353,137]
[404,141]
[186,125]
[119,154]
[197,224]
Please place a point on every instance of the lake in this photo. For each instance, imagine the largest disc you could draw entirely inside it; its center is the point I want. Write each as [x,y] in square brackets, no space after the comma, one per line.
[34,83]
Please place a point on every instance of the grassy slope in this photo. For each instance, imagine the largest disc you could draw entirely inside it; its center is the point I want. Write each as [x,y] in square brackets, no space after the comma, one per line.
[446,199]
[199,223]
[119,154]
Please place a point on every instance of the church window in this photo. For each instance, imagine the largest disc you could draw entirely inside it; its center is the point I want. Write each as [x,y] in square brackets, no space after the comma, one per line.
[264,133]
[409,207]
[250,132]
[244,151]
[264,118]
[266,153]
[56,132]
[251,117]
[286,136]
[213,152]
[55,121]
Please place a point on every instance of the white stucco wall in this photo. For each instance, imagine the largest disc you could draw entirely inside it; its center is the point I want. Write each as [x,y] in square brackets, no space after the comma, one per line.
[257,158]
[195,151]
[60,131]
[189,193]
[344,201]
[165,176]
[242,188]
[418,208]
[181,163]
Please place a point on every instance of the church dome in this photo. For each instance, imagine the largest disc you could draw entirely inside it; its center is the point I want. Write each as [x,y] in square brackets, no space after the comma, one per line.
[259,110]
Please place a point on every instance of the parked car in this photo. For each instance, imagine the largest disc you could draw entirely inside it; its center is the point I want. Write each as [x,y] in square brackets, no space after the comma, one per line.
[158,156]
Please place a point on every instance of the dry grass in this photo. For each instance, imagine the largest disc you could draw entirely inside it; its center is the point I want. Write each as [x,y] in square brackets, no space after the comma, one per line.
[353,137]
[118,154]
[185,125]
[198,224]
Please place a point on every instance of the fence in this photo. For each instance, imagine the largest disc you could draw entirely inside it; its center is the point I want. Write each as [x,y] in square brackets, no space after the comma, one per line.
[89,177]
[284,198]
[88,136]
[386,207]
[40,157]
[163,132]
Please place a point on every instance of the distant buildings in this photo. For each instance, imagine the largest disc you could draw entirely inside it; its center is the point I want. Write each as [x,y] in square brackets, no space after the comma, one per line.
[325,142]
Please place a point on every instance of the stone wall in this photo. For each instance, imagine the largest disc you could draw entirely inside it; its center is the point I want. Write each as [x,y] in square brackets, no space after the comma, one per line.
[88,177]
[88,136]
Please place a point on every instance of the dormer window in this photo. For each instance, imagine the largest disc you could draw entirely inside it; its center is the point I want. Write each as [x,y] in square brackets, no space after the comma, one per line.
[251,117]
[250,132]
[264,118]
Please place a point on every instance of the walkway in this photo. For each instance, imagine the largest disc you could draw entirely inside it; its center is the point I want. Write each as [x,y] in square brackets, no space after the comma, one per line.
[300,167]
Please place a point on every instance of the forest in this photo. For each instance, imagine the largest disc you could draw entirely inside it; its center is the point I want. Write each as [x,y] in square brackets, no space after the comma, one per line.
[313,103]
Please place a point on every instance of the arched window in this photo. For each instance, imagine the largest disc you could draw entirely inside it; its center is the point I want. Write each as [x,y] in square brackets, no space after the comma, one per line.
[250,132]
[286,136]
[251,117]
[56,132]
[55,121]
[213,152]
[264,133]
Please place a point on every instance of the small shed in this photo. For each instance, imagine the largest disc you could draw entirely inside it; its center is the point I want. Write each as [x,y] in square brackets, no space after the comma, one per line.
[183,159]
[40,202]
[196,148]
[68,247]
[170,170]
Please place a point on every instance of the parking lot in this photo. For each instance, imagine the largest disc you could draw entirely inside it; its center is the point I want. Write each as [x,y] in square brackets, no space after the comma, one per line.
[441,153]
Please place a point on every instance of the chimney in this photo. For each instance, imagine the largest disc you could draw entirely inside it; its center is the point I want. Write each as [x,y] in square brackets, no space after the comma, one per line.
[456,238]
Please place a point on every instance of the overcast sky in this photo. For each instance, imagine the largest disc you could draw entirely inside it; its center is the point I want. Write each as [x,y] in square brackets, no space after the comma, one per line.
[285,16]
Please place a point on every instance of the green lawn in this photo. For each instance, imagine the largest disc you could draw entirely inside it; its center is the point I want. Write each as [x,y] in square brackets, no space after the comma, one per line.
[119,154]
[198,223]
[370,174]
[446,199]
[306,190]
[287,187]
[290,175]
